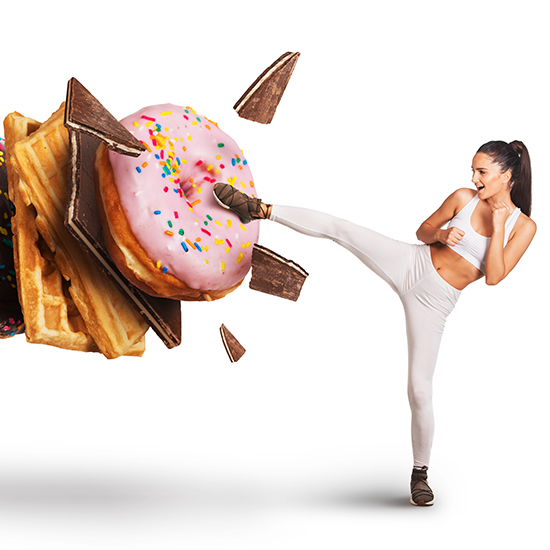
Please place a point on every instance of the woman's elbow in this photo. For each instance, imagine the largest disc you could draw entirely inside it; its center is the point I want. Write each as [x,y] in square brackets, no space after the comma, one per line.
[493,280]
[424,234]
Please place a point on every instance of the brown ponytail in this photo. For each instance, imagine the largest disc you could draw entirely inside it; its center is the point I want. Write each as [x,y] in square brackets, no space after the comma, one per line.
[514,157]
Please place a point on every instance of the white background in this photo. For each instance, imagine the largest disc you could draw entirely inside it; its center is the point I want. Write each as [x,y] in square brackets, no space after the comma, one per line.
[304,443]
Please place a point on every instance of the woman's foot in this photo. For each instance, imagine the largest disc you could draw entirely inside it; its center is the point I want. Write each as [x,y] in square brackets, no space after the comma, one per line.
[247,208]
[421,494]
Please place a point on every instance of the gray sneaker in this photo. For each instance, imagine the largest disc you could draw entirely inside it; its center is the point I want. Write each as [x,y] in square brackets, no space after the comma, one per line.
[421,494]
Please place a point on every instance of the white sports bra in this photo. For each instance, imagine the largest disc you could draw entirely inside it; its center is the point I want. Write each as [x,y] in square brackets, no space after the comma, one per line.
[473,246]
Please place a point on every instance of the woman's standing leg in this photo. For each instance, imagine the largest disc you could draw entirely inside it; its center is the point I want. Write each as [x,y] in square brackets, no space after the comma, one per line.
[427,305]
[423,338]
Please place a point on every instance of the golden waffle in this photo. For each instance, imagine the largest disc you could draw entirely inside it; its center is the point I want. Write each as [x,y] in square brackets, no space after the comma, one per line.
[50,313]
[41,160]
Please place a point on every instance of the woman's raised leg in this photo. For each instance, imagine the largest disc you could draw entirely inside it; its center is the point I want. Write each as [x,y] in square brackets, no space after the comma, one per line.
[386,257]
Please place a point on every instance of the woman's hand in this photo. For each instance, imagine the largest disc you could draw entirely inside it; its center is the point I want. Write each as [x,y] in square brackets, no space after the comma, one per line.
[500,214]
[430,231]
[451,236]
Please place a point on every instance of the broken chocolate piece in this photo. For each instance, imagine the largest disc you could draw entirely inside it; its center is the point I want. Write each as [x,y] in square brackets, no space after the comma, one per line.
[260,101]
[81,216]
[84,113]
[232,345]
[275,275]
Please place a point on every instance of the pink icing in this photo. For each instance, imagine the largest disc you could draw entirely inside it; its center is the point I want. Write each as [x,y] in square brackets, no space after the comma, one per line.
[166,194]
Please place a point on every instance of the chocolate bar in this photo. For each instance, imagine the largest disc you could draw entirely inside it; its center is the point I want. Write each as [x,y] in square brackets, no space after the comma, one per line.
[234,349]
[90,124]
[84,113]
[260,101]
[275,275]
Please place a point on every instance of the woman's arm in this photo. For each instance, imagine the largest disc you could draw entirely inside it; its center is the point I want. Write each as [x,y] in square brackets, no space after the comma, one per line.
[430,230]
[501,260]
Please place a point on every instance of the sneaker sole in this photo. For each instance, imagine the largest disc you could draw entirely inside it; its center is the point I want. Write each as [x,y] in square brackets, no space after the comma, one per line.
[421,503]
[220,202]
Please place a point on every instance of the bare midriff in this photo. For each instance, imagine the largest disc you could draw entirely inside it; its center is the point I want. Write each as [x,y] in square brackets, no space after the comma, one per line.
[452,267]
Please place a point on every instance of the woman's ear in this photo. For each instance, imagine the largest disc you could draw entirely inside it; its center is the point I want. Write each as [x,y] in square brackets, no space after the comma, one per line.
[506,177]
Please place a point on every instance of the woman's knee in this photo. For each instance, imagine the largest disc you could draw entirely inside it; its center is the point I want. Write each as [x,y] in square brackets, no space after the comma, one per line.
[420,395]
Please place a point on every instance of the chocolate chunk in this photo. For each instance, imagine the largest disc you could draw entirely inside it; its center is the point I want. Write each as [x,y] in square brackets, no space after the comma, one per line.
[260,101]
[275,275]
[232,345]
[86,129]
[84,113]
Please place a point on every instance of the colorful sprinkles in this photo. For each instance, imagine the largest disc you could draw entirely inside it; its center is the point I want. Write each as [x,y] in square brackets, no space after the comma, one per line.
[176,163]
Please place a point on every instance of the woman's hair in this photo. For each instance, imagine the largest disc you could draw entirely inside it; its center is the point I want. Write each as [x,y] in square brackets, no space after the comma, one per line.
[513,156]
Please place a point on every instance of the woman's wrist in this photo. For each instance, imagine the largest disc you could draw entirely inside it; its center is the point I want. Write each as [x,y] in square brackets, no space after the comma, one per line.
[498,228]
[438,236]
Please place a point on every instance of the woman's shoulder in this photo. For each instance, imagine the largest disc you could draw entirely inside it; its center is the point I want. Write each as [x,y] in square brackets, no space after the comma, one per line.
[525,224]
[523,231]
[464,194]
[461,197]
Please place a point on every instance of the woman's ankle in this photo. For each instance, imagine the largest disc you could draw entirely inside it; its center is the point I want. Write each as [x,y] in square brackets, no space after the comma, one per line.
[264,212]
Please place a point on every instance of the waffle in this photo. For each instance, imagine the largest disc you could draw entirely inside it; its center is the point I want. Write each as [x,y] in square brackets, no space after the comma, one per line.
[51,315]
[88,304]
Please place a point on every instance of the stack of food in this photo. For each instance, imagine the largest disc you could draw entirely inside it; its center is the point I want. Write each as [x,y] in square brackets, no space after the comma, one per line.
[162,232]
[107,225]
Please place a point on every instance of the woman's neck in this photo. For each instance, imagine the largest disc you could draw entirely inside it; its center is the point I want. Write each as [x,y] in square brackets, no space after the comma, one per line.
[501,197]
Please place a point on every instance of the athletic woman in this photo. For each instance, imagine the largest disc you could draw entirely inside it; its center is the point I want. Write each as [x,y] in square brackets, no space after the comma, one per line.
[474,233]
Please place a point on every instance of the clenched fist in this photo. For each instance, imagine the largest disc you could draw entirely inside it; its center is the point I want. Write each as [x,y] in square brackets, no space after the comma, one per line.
[451,236]
[500,214]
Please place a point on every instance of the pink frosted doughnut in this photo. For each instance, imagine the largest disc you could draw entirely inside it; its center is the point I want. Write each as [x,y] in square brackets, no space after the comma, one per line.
[163,227]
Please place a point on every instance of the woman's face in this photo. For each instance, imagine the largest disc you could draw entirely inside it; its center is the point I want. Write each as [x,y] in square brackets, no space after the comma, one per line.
[487,177]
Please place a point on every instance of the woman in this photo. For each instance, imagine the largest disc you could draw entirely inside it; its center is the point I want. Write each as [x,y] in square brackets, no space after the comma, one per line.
[489,231]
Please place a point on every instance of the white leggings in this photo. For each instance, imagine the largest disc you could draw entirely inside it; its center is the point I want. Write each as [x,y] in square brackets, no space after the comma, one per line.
[427,300]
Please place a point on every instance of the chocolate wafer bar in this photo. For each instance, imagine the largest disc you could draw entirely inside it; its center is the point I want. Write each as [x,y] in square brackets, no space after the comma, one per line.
[89,123]
[232,346]
[275,275]
[84,113]
[260,101]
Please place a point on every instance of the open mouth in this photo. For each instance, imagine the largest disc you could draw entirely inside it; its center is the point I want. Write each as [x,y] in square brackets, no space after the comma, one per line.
[480,187]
